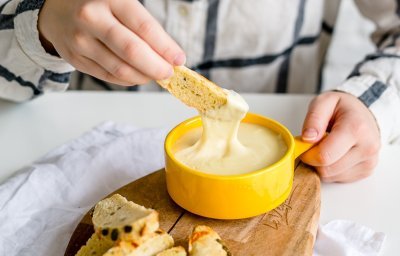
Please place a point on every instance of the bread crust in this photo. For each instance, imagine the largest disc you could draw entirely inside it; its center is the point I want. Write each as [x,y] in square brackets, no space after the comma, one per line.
[137,235]
[117,219]
[194,90]
[154,244]
[174,251]
[95,246]
[205,241]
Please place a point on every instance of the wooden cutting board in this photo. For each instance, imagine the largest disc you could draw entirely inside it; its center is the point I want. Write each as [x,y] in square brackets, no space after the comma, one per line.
[290,229]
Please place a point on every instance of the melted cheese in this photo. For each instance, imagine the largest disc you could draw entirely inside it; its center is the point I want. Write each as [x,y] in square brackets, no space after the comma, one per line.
[224,146]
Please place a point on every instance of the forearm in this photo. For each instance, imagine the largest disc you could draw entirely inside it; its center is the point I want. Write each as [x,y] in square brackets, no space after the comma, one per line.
[26,70]
[376,84]
[376,80]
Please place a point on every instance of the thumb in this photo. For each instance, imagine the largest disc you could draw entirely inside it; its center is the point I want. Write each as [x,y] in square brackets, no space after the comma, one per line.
[320,112]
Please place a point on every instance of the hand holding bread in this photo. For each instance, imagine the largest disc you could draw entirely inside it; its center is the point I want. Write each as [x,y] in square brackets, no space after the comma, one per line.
[116,41]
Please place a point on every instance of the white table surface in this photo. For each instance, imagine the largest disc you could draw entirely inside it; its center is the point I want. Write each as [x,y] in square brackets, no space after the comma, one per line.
[29,130]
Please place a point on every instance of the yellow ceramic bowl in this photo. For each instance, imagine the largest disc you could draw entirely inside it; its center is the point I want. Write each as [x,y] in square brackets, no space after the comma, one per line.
[236,196]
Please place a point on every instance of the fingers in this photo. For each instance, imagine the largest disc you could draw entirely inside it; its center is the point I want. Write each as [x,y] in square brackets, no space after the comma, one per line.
[332,148]
[357,172]
[351,158]
[320,111]
[97,52]
[339,158]
[135,51]
[148,29]
[358,162]
[128,46]
[90,67]
[133,47]
[350,151]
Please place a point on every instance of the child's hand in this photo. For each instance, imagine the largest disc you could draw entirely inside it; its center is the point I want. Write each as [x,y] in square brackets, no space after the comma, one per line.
[117,41]
[350,151]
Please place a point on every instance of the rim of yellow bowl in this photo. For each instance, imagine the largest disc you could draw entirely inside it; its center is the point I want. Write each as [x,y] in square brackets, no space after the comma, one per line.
[235,176]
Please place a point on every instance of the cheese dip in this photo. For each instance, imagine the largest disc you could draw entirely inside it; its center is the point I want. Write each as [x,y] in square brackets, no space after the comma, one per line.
[224,146]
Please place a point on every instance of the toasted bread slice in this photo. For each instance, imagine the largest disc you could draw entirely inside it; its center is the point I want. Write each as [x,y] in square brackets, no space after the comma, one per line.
[95,246]
[204,241]
[155,243]
[174,251]
[116,218]
[194,90]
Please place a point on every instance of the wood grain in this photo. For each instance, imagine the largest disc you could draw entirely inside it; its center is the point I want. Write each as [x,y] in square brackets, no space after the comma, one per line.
[289,229]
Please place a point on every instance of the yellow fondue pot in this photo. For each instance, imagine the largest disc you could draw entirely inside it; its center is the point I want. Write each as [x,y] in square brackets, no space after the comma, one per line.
[236,196]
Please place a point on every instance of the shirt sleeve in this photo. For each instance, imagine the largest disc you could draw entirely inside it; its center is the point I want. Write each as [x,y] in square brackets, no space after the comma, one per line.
[376,80]
[26,69]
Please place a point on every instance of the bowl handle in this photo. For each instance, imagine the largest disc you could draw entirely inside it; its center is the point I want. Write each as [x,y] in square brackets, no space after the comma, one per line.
[301,146]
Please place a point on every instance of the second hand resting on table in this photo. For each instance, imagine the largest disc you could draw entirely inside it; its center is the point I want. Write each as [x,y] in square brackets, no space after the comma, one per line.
[137,49]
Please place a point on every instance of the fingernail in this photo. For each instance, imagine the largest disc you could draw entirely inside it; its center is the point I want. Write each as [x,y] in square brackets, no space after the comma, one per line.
[310,134]
[180,59]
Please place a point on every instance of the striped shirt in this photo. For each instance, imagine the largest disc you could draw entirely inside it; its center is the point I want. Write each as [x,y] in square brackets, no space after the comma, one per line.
[250,46]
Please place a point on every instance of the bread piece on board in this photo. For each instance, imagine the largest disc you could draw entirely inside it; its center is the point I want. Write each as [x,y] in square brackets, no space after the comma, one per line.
[116,219]
[174,251]
[154,244]
[204,242]
[95,246]
[194,90]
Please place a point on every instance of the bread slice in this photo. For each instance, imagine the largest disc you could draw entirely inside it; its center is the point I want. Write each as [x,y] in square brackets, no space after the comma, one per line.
[116,219]
[194,90]
[95,246]
[204,242]
[153,245]
[174,251]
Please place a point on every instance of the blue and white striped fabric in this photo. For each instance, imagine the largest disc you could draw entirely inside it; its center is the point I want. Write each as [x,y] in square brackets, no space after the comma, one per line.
[26,70]
[248,46]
